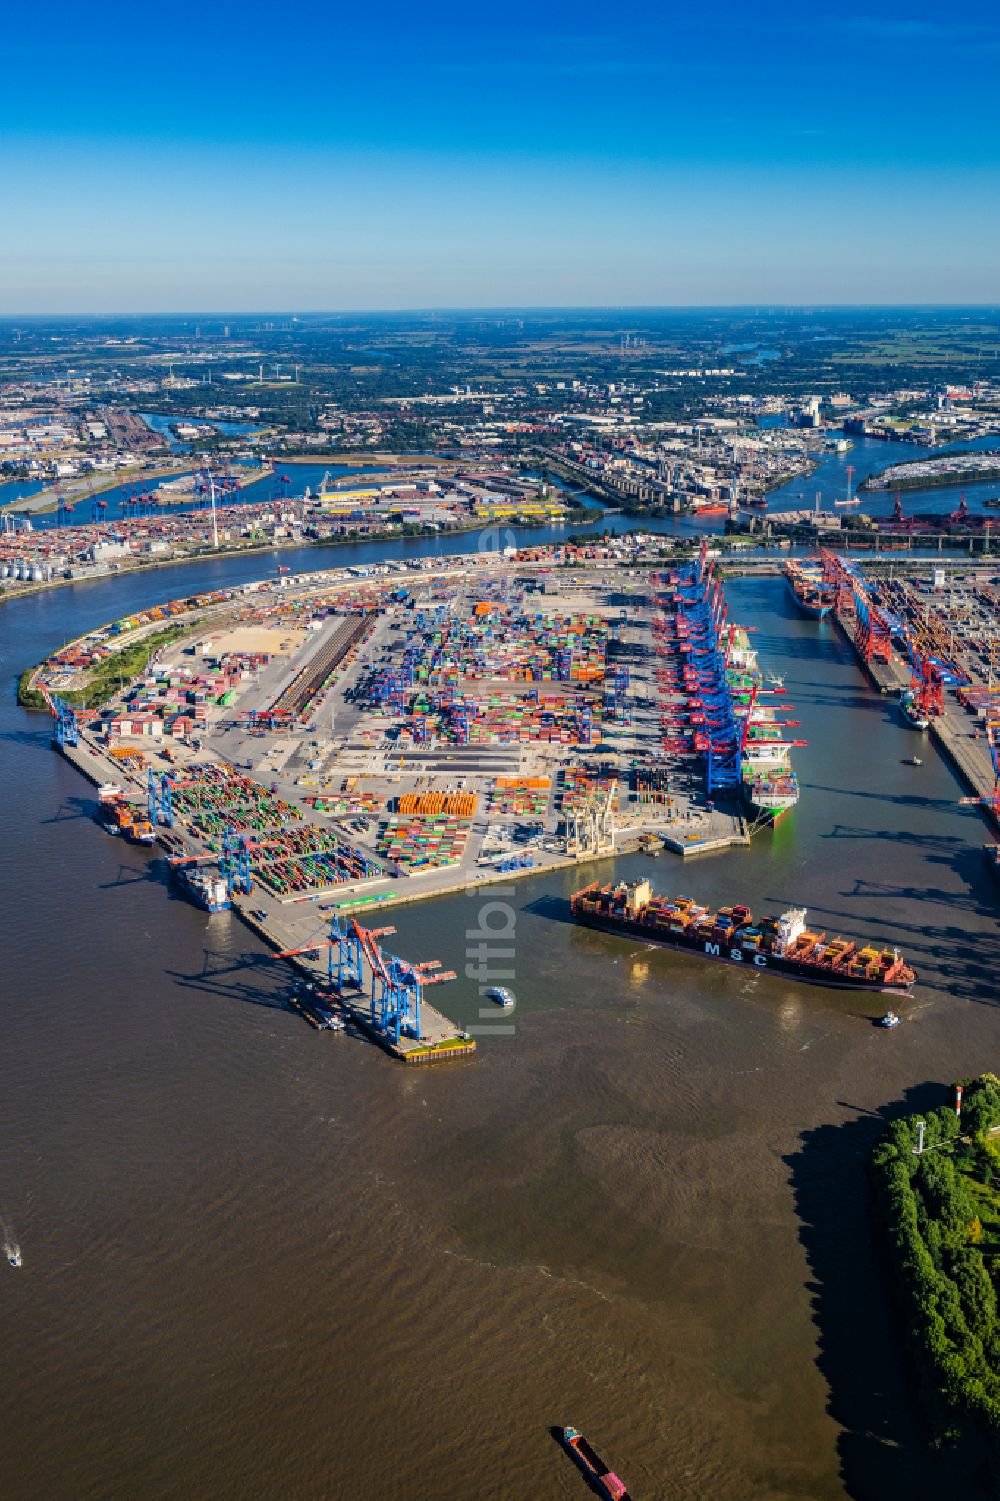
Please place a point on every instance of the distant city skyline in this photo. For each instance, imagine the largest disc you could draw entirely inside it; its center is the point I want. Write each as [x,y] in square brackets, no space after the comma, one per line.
[550,156]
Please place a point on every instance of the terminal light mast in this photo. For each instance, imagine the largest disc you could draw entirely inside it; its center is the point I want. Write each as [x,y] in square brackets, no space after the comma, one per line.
[215,519]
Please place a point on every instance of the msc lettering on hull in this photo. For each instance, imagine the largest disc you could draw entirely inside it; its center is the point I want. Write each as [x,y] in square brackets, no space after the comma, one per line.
[735,954]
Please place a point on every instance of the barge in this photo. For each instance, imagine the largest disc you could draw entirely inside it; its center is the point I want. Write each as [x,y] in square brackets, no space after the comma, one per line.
[605,1481]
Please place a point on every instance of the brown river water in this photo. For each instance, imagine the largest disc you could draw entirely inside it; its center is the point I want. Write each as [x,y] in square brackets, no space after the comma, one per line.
[261,1261]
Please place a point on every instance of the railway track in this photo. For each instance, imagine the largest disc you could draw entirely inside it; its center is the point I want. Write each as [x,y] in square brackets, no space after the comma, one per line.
[309,681]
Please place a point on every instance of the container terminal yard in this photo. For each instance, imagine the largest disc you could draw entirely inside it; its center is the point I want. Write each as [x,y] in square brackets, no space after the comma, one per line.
[933,640]
[313,752]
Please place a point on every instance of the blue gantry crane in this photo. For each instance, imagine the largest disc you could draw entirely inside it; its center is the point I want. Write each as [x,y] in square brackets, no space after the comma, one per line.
[395,987]
[234,861]
[160,800]
[66,730]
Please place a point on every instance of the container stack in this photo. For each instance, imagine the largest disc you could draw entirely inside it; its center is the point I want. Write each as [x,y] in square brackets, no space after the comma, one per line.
[307,859]
[581,785]
[415,842]
[519,795]
[461,804]
[211,798]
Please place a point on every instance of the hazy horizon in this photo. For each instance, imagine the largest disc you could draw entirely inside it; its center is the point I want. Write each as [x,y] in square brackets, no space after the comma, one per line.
[761,309]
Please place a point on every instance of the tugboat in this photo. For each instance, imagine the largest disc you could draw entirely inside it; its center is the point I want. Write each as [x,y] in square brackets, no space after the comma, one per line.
[912,761]
[889,1020]
[606,1481]
[500,994]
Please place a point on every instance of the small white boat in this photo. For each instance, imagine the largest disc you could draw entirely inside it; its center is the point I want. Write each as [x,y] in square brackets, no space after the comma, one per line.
[889,1020]
[500,994]
[775,681]
[14,1257]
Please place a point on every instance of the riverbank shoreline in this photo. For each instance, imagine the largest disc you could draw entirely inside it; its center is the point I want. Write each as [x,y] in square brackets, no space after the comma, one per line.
[946,481]
[45,586]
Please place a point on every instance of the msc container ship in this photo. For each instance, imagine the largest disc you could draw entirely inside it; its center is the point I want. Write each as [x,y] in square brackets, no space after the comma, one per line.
[811,593]
[782,944]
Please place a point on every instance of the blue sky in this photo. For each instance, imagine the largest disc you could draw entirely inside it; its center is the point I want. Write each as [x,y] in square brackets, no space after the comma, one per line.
[297,157]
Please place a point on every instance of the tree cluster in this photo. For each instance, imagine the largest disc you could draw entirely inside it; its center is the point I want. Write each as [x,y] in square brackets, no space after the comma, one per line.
[932,1222]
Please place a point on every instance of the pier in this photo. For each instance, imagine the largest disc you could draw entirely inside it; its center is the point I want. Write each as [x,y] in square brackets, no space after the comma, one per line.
[964,738]
[290,929]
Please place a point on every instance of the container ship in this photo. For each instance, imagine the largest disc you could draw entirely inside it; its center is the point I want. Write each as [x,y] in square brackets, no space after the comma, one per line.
[116,814]
[807,587]
[204,887]
[768,783]
[770,790]
[606,1481]
[911,710]
[725,713]
[782,944]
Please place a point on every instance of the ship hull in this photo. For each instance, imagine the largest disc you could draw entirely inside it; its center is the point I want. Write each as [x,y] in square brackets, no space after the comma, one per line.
[770,812]
[200,896]
[914,721]
[772,815]
[817,611]
[766,815]
[793,969]
[206,905]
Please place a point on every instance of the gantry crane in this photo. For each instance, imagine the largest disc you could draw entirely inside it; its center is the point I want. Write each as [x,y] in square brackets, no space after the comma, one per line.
[396,985]
[159,797]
